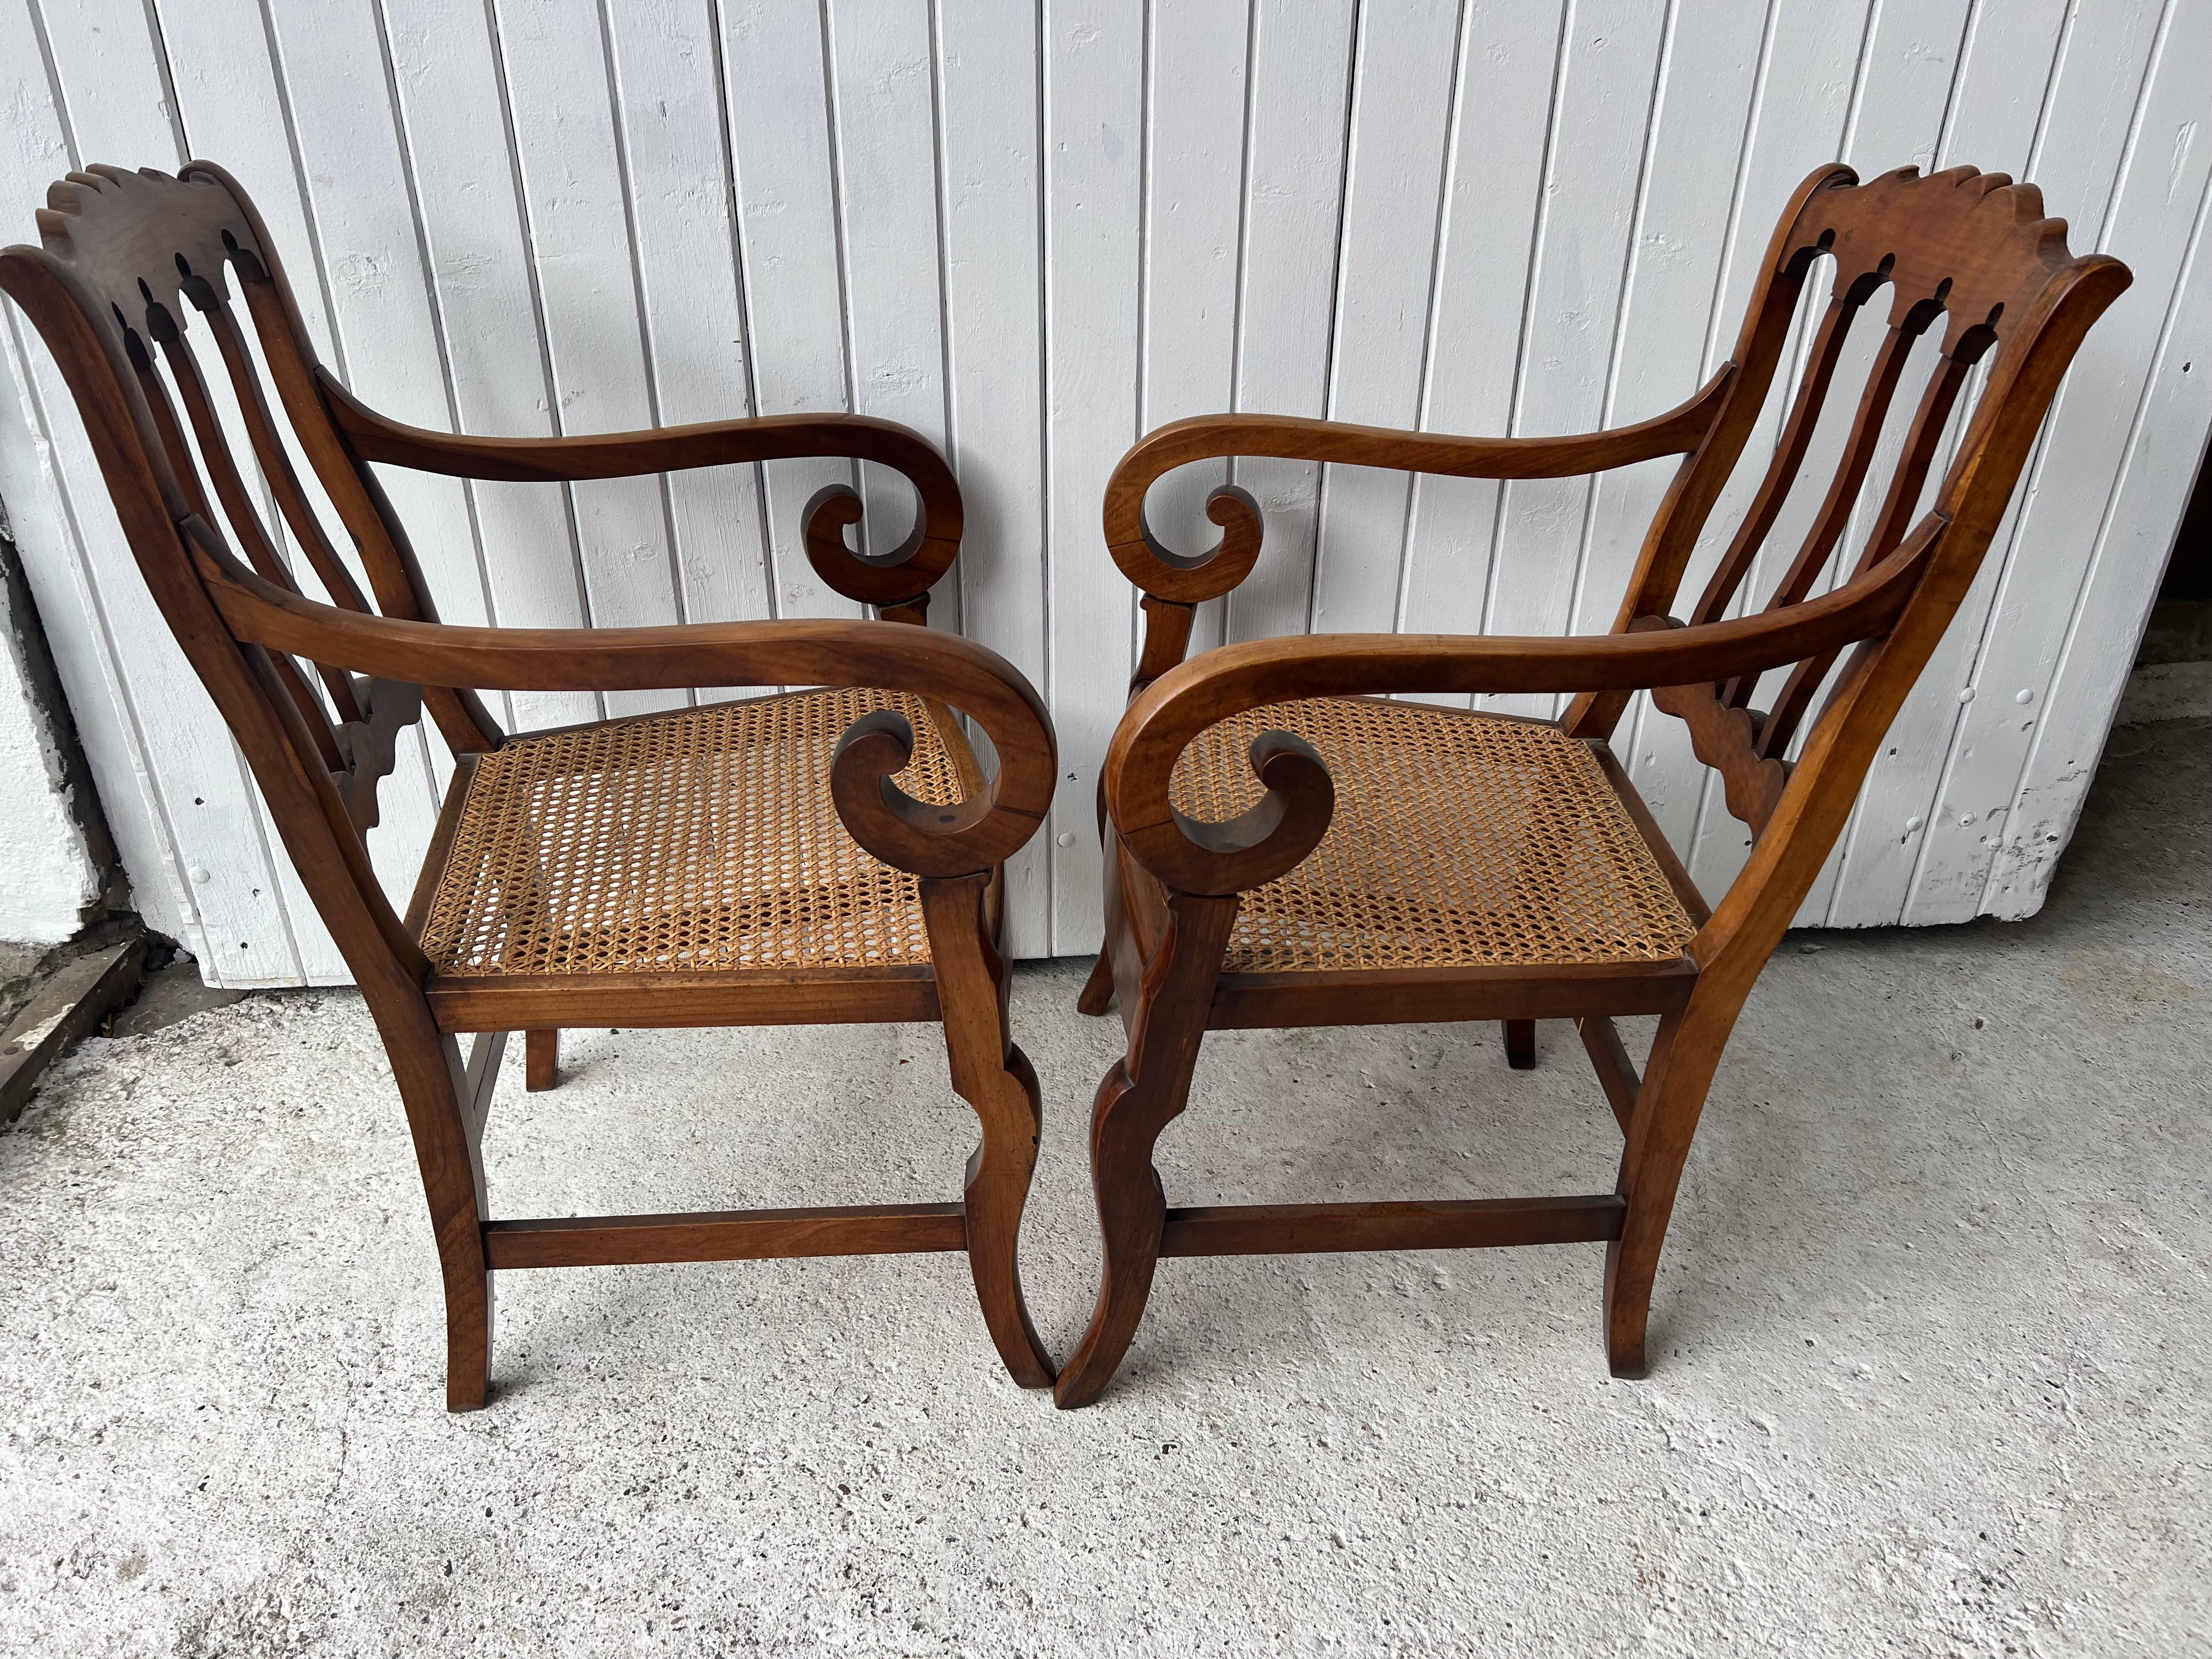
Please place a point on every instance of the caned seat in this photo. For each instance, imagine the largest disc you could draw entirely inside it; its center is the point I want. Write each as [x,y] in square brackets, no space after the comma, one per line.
[1458,840]
[704,840]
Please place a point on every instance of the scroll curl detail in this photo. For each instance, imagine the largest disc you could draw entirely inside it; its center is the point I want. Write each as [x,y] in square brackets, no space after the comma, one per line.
[1187,578]
[898,577]
[926,839]
[1192,855]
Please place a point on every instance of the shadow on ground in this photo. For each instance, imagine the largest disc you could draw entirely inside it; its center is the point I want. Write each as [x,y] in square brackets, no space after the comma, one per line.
[1930,1338]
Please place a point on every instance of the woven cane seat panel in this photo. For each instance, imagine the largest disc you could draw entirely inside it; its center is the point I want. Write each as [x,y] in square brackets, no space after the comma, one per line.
[1458,840]
[701,841]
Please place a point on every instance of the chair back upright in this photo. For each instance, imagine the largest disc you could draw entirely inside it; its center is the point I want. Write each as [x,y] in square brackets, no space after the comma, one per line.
[1969,258]
[132,265]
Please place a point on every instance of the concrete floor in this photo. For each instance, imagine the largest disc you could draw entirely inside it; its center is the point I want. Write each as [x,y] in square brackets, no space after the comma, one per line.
[1930,1339]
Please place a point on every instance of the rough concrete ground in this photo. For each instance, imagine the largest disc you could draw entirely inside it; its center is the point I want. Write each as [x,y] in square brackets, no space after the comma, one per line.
[1930,1338]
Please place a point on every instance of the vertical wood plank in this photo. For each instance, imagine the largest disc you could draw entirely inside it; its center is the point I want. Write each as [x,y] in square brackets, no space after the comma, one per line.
[359,209]
[1509,60]
[991,120]
[1300,104]
[1907,73]
[107,89]
[1034,232]
[1995,101]
[1195,107]
[2081,575]
[108,73]
[229,103]
[41,519]
[2147,500]
[1592,189]
[1804,102]
[1910,849]
[882,87]
[1708,74]
[1094,117]
[684,231]
[559,86]
[1401,113]
[776,97]
[445,67]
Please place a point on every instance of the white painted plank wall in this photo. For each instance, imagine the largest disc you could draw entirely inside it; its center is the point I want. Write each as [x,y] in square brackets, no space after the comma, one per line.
[1035,229]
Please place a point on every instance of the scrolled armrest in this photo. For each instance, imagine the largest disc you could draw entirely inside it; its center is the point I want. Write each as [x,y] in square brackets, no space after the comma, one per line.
[890,579]
[1274,837]
[1187,579]
[883,580]
[917,836]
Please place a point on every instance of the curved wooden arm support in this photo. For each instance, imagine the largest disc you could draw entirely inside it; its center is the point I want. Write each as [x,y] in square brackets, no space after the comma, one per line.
[891,579]
[1188,579]
[909,835]
[1271,839]
[1193,856]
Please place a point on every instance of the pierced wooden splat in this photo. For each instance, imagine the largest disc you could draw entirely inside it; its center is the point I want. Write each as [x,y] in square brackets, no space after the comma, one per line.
[1998,243]
[1789,455]
[371,744]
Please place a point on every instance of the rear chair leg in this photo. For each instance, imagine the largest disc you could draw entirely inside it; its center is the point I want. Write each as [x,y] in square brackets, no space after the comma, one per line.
[1145,1091]
[541,1060]
[1520,1044]
[444,1100]
[995,1077]
[1098,990]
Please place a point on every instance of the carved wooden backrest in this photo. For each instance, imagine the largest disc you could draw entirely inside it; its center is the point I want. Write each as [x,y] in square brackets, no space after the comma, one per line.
[1966,257]
[157,250]
[133,262]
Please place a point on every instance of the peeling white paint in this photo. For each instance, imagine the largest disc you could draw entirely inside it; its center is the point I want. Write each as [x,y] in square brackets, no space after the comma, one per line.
[46,877]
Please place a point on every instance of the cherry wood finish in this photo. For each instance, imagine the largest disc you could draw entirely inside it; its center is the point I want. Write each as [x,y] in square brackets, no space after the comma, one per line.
[1454,1224]
[726,1235]
[1966,258]
[541,1058]
[317,691]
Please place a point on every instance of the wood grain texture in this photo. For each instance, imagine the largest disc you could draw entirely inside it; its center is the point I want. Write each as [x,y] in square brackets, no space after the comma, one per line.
[990,126]
[1616,1071]
[1435,1225]
[724,1236]
[541,1059]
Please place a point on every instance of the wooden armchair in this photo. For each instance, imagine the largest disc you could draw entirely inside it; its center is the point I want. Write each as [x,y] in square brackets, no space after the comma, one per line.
[829,855]
[1386,861]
